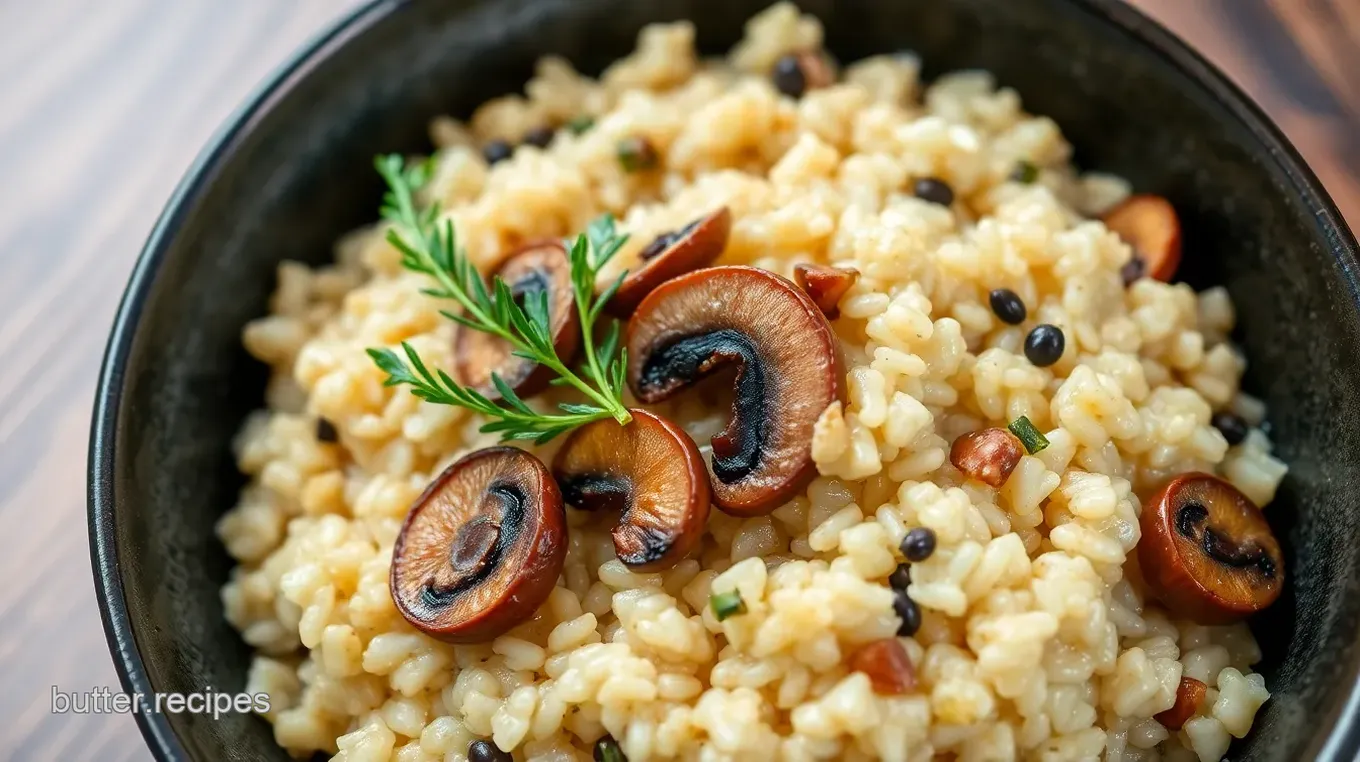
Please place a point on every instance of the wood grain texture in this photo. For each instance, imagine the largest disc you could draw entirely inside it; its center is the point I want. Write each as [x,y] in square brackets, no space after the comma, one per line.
[103,105]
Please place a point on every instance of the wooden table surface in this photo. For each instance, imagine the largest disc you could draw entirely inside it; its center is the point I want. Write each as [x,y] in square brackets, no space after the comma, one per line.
[104,104]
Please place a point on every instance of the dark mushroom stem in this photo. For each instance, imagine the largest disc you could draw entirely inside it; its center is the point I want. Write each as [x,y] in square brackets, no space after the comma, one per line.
[536,269]
[672,254]
[651,472]
[481,549]
[788,370]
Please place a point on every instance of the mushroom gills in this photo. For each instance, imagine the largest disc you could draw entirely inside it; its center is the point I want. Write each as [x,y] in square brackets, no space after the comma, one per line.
[736,450]
[664,241]
[595,492]
[537,277]
[530,287]
[649,544]
[1247,555]
[669,255]
[788,371]
[1207,552]
[649,472]
[482,547]
[477,548]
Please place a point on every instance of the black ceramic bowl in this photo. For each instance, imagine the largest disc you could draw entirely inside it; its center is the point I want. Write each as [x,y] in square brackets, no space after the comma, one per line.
[293,170]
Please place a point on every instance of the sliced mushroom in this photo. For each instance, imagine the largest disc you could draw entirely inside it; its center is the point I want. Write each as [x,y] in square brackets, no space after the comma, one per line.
[788,370]
[671,254]
[1150,226]
[1207,552]
[482,548]
[650,471]
[826,285]
[532,270]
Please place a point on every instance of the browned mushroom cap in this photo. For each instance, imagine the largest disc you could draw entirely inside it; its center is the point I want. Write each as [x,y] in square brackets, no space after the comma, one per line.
[482,547]
[652,472]
[1207,552]
[1149,225]
[826,285]
[788,371]
[535,269]
[670,254]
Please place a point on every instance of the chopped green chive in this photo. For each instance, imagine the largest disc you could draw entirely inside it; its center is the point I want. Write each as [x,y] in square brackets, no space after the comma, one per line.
[1025,172]
[1033,439]
[580,124]
[636,154]
[727,604]
[607,750]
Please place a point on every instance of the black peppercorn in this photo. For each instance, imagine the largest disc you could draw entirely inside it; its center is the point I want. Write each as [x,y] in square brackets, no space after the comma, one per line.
[485,751]
[325,431]
[934,190]
[496,151]
[910,613]
[901,577]
[1133,269]
[1044,345]
[918,544]
[1008,306]
[1233,427]
[539,136]
[788,76]
[607,750]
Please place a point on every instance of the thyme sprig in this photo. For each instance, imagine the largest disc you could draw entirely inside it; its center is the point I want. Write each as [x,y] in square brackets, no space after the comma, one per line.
[429,245]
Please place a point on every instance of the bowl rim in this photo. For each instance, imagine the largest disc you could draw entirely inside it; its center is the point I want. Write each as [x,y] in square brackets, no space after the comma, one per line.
[1342,739]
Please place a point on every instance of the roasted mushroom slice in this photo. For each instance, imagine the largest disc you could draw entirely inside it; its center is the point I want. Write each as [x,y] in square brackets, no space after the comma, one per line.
[788,370]
[482,547]
[1150,226]
[670,254]
[826,285]
[1207,552]
[651,471]
[538,268]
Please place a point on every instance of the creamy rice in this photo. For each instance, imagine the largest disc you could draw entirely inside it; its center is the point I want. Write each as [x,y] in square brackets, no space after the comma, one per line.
[1036,641]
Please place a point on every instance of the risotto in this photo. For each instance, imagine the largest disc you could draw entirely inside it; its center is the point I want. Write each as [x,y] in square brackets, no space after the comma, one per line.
[977,288]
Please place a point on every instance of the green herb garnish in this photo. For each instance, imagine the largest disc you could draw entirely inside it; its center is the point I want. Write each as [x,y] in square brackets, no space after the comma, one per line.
[727,604]
[1025,172]
[636,154]
[429,245]
[580,124]
[608,750]
[1033,439]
